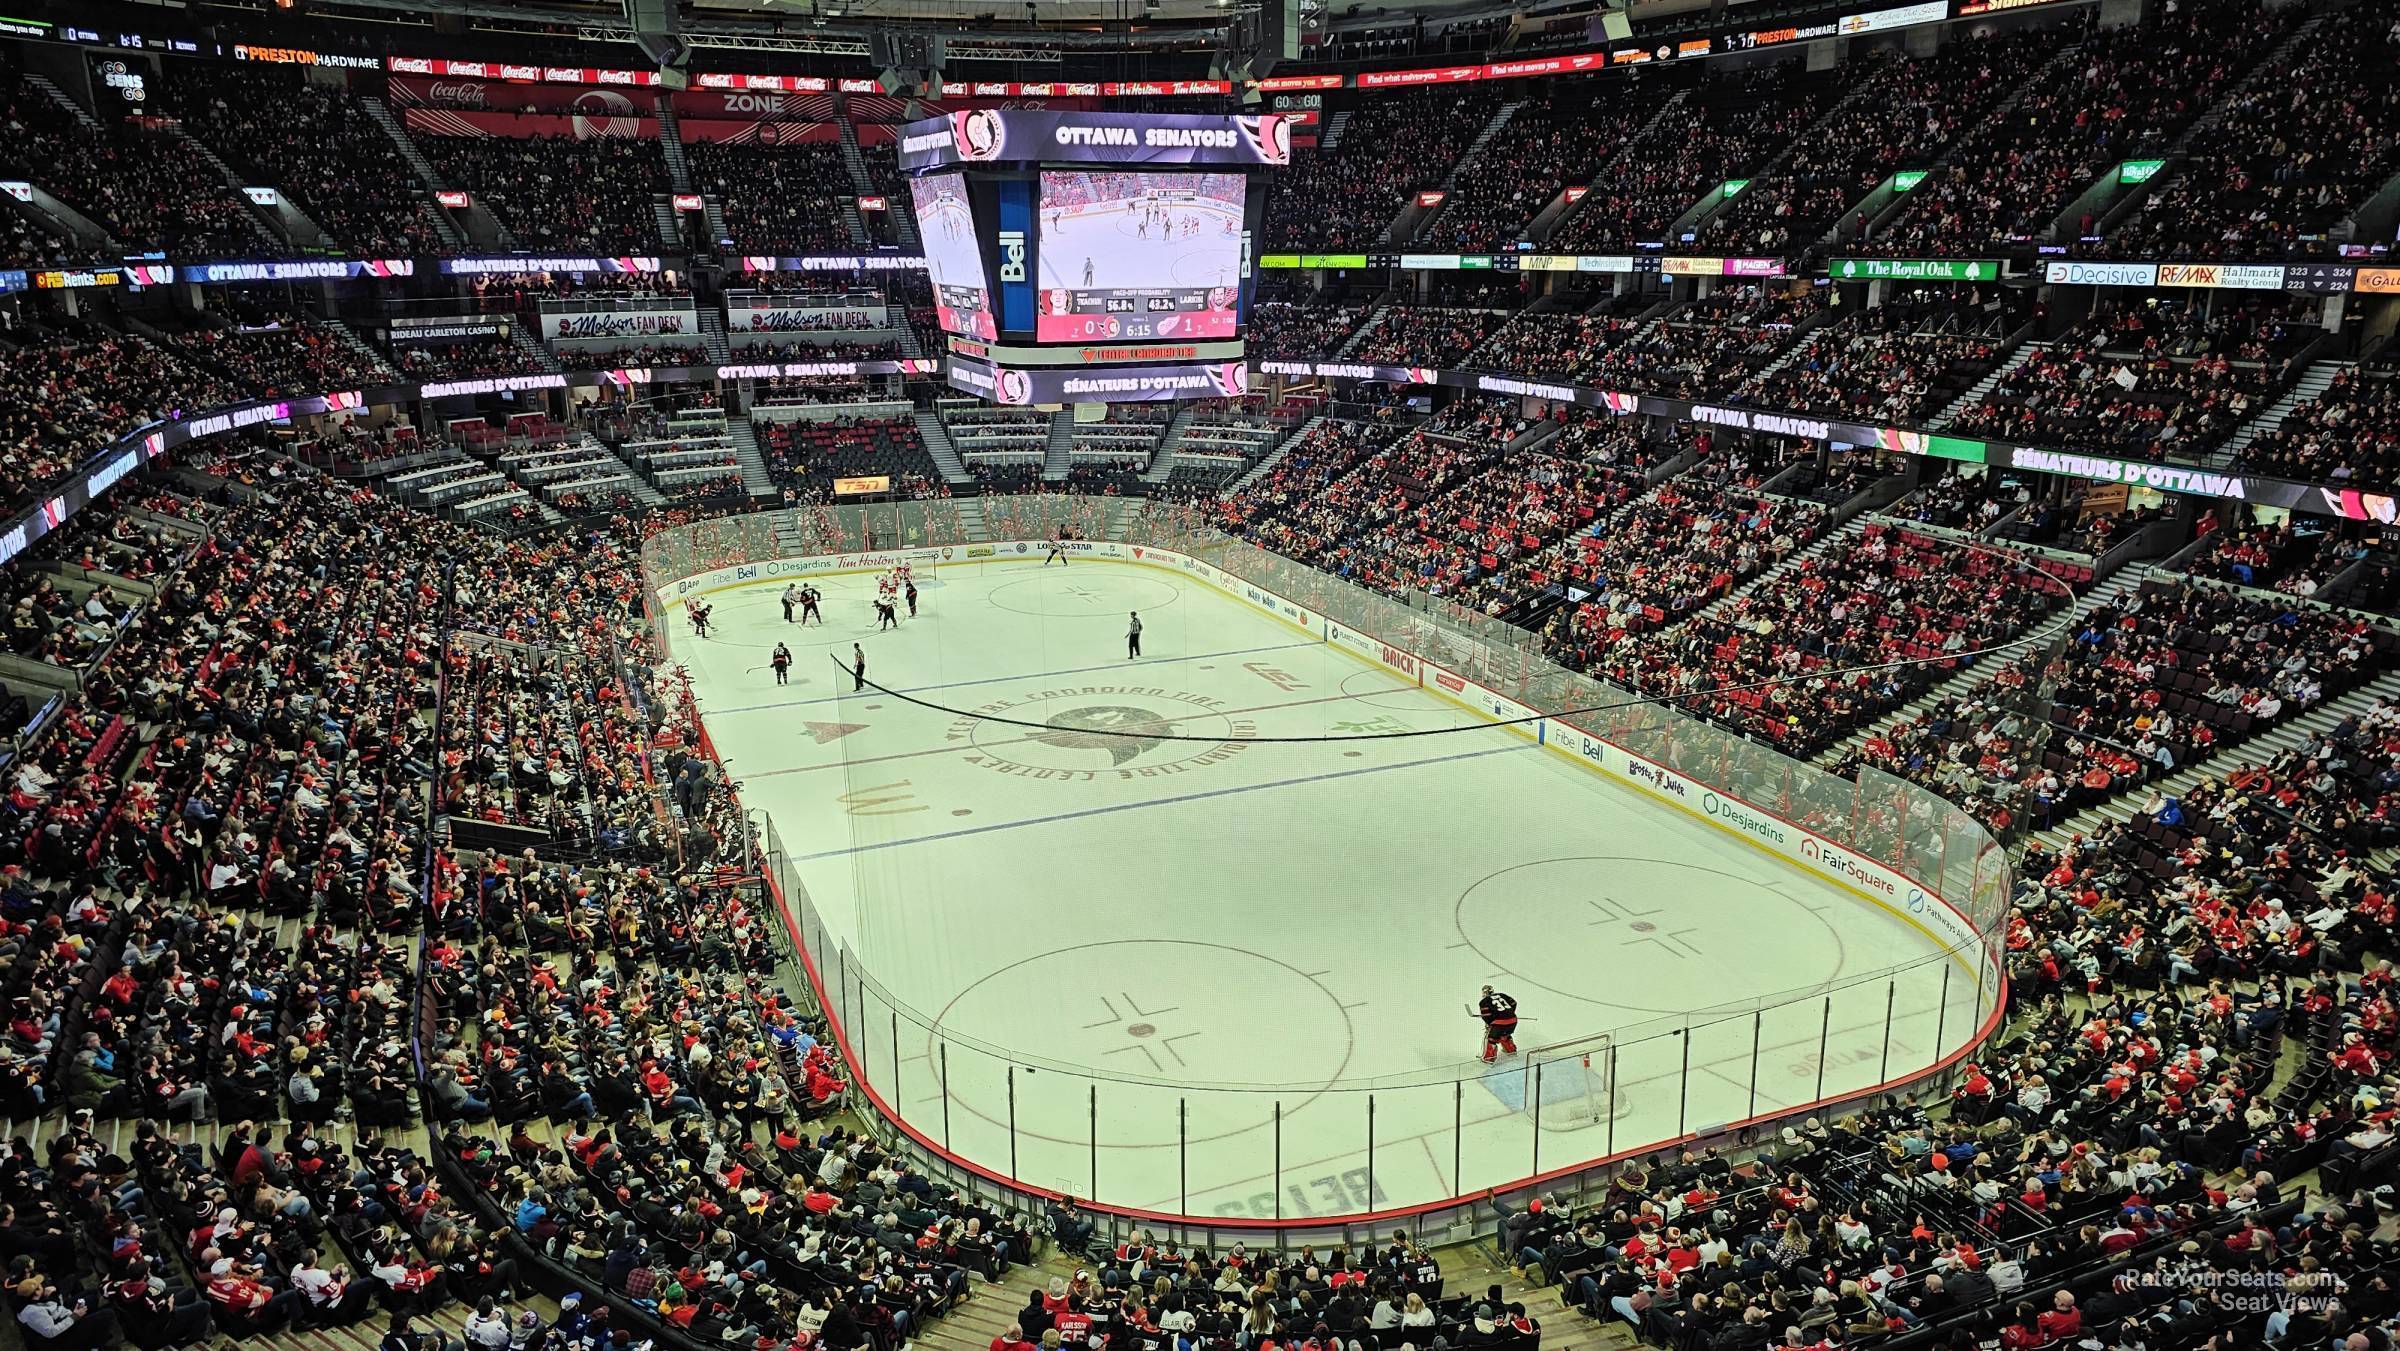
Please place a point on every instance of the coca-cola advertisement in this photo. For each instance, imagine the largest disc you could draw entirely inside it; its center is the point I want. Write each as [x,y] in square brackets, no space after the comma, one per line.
[468,94]
[600,122]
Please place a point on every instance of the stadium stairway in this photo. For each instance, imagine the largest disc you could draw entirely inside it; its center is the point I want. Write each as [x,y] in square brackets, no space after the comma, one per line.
[59,96]
[530,344]
[2177,155]
[2312,382]
[1792,348]
[1824,545]
[2019,352]
[359,345]
[1365,326]
[1334,127]
[670,143]
[938,448]
[755,479]
[1060,456]
[1162,459]
[854,159]
[1267,462]
[662,219]
[1697,223]
[427,178]
[2127,579]
[1471,1269]
[643,490]
[712,334]
[268,227]
[2054,73]
[971,520]
[1414,220]
[990,1309]
[1548,222]
[2283,736]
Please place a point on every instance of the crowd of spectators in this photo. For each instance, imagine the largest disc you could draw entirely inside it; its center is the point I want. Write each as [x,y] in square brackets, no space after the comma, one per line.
[251,753]
[1437,336]
[260,747]
[1686,544]
[556,192]
[1813,652]
[2128,94]
[316,145]
[2260,329]
[1899,363]
[809,453]
[1961,500]
[593,356]
[2348,434]
[1557,344]
[1899,114]
[2157,407]
[1307,327]
[2290,156]
[802,349]
[2157,682]
[130,176]
[1567,133]
[281,353]
[492,354]
[784,198]
[2277,557]
[1727,129]
[68,390]
[1392,146]
[1314,461]
[1710,346]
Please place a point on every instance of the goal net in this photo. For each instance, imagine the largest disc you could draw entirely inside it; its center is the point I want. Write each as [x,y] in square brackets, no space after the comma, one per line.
[1563,1087]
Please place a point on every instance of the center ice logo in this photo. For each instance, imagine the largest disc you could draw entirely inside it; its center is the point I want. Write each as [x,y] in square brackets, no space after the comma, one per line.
[1129,734]
[1105,727]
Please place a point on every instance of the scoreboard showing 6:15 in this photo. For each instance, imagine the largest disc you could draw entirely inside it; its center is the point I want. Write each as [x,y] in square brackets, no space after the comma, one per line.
[1139,255]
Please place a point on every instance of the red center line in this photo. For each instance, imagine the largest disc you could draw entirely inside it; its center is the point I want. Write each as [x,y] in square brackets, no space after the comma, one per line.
[1164,720]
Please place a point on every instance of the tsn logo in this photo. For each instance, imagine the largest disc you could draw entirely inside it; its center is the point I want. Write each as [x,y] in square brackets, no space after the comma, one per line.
[1012,255]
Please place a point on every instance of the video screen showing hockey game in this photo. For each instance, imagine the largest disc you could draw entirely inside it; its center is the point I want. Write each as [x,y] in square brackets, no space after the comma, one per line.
[1140,255]
[962,298]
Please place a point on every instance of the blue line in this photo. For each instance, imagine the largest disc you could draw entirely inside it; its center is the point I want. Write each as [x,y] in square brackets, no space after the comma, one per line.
[1028,675]
[1158,802]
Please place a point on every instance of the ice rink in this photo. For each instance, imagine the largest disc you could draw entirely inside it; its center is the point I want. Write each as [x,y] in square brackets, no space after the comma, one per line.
[1121,256]
[1249,966]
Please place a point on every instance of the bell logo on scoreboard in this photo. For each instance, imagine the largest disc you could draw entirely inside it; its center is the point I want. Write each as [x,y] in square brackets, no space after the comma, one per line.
[1012,255]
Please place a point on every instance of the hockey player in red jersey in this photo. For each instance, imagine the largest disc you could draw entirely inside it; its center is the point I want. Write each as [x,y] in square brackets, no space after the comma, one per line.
[1499,1015]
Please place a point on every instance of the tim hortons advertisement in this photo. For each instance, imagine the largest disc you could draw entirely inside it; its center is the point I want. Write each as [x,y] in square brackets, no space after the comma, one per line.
[984,135]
